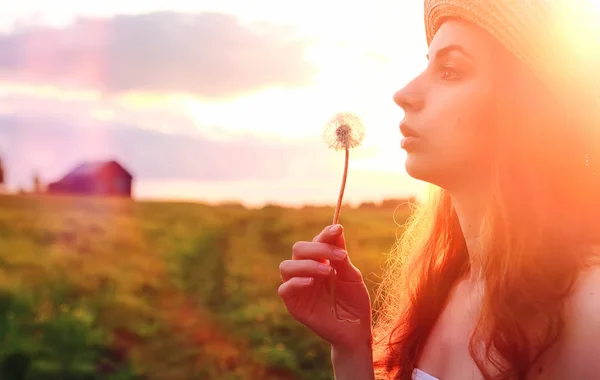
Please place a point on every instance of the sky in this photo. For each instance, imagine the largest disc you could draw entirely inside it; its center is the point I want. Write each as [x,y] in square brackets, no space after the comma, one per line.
[213,100]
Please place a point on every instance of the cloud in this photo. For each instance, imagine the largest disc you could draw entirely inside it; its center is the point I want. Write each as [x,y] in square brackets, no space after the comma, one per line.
[53,146]
[209,55]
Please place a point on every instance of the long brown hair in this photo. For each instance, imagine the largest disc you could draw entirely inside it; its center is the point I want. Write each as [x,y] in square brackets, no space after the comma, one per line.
[543,215]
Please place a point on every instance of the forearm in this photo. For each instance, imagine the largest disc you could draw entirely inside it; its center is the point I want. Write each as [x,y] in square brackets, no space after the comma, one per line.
[353,364]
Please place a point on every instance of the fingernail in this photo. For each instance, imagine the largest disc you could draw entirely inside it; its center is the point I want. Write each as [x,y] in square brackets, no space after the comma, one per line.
[339,254]
[335,229]
[324,268]
[306,281]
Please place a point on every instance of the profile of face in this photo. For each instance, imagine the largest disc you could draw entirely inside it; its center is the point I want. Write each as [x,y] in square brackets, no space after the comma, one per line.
[450,108]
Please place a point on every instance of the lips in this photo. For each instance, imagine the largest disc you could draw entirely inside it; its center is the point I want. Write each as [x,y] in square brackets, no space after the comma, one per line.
[411,140]
[407,131]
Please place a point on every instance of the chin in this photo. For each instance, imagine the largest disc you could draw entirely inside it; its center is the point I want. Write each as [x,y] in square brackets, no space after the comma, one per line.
[442,172]
[414,166]
[420,169]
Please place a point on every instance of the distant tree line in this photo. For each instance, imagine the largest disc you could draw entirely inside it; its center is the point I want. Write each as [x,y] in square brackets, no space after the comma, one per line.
[389,203]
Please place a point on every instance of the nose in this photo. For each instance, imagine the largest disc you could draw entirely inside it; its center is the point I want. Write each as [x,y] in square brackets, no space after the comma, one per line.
[410,98]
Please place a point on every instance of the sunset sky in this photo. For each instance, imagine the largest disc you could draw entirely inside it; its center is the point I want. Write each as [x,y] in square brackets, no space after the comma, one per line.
[210,100]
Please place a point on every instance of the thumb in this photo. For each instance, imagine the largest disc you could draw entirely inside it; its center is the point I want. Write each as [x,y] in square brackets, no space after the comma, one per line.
[346,271]
[333,235]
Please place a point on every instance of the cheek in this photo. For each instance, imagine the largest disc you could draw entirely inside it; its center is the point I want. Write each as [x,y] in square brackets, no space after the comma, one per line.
[462,120]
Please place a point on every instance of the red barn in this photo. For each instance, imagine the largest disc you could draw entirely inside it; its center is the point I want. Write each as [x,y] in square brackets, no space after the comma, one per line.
[95,178]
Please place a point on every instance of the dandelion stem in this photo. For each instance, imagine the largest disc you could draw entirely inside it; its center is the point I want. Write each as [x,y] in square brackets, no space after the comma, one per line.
[336,217]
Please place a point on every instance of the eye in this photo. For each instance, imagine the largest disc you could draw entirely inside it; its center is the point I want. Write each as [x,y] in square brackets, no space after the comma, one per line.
[449,73]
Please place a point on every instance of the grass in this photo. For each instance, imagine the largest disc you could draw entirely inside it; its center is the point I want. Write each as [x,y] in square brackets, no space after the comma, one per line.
[115,289]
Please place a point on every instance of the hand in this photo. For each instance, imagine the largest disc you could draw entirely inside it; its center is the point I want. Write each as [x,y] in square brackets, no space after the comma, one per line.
[307,297]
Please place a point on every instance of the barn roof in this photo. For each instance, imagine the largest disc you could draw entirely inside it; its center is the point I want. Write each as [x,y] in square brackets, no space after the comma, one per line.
[87,169]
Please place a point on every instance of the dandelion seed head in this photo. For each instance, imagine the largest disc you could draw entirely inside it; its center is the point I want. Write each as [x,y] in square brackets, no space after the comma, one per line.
[344,130]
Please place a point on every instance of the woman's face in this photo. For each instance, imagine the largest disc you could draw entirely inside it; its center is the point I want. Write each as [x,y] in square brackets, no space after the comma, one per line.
[450,108]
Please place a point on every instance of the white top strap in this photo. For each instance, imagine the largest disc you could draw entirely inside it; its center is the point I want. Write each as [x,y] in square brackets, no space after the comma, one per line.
[421,375]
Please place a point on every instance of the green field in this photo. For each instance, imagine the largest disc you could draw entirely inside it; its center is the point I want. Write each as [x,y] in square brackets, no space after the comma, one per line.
[116,289]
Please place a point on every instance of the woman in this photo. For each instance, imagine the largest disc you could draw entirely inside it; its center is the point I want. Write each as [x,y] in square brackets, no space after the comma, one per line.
[497,276]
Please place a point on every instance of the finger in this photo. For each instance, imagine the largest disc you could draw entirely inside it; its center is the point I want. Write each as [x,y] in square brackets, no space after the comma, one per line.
[338,258]
[345,270]
[333,234]
[289,289]
[303,268]
[304,250]
[323,231]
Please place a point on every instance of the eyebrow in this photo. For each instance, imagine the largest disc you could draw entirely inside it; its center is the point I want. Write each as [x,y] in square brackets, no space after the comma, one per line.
[448,49]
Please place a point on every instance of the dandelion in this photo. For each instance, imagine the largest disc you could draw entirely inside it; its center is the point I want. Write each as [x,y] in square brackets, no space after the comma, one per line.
[343,131]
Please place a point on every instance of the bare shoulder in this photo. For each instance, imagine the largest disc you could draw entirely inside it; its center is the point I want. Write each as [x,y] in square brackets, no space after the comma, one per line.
[584,303]
[581,340]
